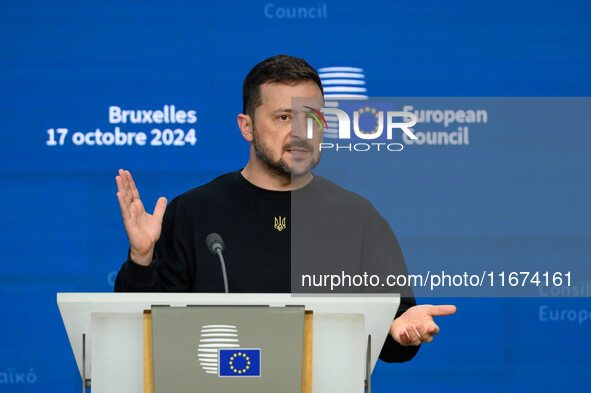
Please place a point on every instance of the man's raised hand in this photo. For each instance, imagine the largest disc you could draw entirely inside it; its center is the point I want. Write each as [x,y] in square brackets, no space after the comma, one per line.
[143,229]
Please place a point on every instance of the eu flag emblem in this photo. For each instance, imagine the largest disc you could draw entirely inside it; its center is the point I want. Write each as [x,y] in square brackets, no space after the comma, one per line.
[238,362]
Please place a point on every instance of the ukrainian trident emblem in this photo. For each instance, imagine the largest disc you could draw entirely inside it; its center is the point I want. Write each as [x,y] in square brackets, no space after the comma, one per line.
[280,223]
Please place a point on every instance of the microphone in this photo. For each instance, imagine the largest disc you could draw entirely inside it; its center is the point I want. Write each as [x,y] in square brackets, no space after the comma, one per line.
[215,244]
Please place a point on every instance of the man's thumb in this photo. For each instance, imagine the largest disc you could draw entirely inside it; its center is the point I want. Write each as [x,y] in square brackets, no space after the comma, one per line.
[160,208]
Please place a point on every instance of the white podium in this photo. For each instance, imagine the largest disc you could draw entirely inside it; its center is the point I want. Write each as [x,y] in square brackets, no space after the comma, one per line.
[111,360]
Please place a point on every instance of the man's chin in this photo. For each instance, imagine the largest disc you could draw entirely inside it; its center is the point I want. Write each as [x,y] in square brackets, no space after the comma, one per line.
[302,169]
[298,175]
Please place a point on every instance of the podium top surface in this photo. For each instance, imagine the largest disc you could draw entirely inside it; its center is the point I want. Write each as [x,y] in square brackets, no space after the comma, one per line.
[77,310]
[134,299]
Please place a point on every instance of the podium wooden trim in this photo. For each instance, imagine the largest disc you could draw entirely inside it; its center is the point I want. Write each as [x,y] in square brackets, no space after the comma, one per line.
[308,346]
[148,353]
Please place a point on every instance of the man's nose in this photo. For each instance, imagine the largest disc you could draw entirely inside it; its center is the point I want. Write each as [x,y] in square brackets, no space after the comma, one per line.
[299,127]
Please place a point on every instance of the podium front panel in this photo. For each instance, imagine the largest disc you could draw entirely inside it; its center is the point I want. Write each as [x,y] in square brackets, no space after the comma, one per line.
[247,349]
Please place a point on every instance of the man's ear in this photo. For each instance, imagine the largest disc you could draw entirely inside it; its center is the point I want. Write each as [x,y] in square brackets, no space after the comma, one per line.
[246,126]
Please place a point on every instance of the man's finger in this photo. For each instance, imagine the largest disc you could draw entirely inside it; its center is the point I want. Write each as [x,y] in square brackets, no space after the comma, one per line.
[123,204]
[428,331]
[438,311]
[408,337]
[126,187]
[433,330]
[135,194]
[414,339]
[427,338]
[418,334]
[126,183]
[122,184]
[403,338]
[122,189]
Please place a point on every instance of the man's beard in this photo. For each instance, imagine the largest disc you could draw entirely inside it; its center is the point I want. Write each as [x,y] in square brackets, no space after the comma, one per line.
[280,167]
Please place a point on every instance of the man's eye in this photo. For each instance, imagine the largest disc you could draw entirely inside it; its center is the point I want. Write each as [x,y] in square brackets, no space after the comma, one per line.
[284,117]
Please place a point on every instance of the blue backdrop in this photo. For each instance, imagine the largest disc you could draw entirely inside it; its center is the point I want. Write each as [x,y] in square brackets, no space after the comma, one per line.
[65,64]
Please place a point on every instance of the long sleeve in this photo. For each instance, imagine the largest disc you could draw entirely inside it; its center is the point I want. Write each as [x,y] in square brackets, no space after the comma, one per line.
[137,278]
[392,352]
[383,256]
[170,270]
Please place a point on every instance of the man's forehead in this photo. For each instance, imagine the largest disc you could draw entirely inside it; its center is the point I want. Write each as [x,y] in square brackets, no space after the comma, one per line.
[284,92]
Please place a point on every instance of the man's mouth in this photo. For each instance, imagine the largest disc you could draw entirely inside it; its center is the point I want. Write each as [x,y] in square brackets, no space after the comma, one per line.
[298,151]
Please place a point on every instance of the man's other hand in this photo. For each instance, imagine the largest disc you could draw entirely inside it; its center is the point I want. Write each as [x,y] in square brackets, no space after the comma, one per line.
[143,229]
[416,325]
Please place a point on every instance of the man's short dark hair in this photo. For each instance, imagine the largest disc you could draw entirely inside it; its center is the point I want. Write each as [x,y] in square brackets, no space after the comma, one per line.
[277,69]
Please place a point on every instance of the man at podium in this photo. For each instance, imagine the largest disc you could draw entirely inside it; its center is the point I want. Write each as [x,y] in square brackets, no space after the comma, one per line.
[274,216]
